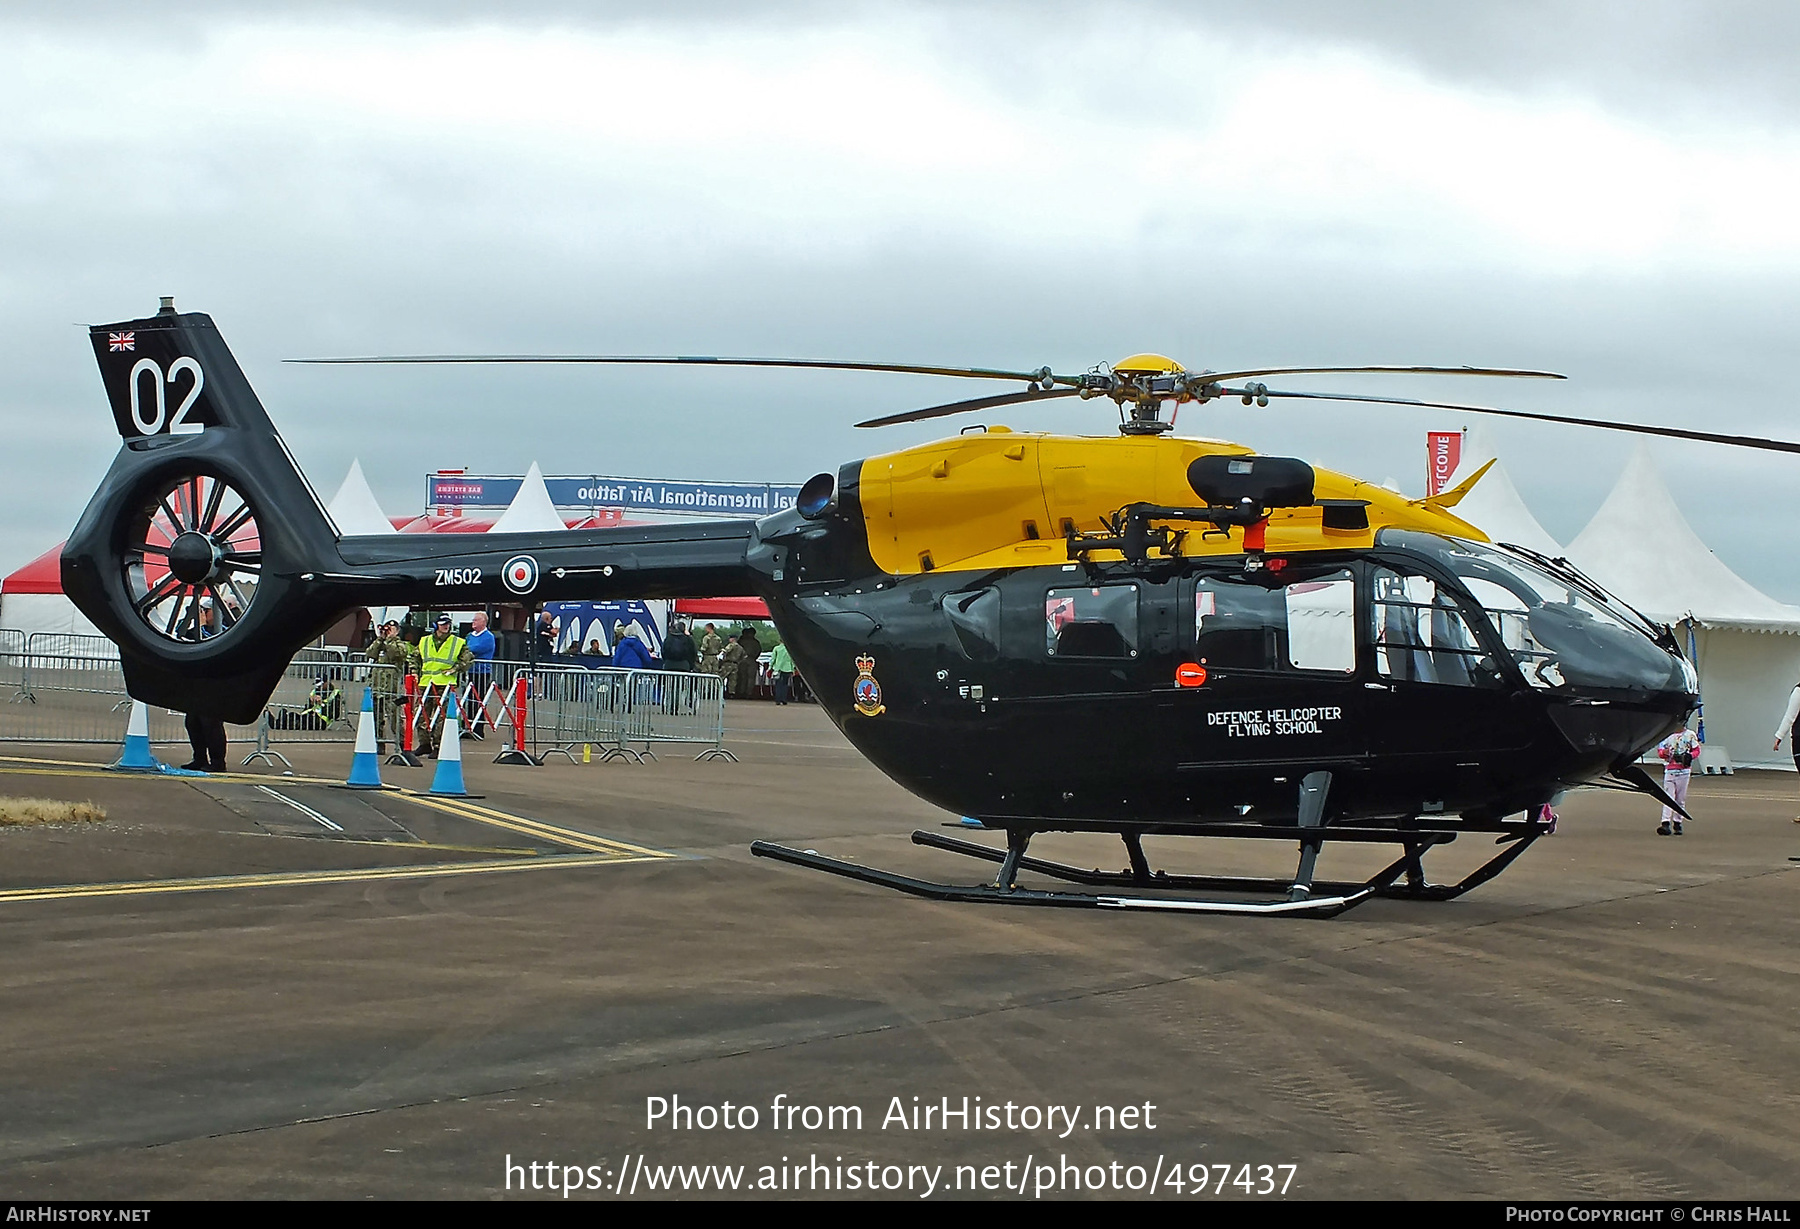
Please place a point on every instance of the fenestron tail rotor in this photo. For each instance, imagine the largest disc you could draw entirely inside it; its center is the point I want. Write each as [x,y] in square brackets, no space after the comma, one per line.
[197,548]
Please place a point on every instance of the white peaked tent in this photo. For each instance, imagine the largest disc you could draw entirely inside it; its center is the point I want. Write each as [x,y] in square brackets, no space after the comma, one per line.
[357,512]
[531,510]
[355,508]
[1746,644]
[1493,504]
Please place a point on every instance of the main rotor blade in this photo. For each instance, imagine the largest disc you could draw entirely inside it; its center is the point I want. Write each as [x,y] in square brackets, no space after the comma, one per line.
[1677,433]
[1221,376]
[666,360]
[959,407]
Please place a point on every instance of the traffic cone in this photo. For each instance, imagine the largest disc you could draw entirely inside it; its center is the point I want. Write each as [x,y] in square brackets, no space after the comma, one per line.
[136,756]
[449,778]
[365,764]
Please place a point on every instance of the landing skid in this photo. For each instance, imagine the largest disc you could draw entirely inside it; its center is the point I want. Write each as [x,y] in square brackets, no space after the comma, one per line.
[993,893]
[1403,879]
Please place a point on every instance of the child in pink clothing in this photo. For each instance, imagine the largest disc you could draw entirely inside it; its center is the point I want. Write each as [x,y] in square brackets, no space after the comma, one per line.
[1677,752]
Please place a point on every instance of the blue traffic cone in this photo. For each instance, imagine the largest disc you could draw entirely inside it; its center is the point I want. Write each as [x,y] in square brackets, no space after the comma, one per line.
[365,764]
[136,756]
[449,777]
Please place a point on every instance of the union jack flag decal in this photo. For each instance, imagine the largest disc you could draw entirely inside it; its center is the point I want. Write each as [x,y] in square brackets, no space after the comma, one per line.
[121,341]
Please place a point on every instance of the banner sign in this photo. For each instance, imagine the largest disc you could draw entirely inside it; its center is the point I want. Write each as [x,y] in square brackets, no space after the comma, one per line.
[1443,452]
[630,494]
[584,626]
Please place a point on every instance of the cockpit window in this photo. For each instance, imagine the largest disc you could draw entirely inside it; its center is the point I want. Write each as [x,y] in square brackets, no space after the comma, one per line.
[1562,633]
[1421,635]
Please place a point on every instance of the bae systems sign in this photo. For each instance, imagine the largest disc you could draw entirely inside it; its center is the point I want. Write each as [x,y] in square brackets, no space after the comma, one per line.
[630,494]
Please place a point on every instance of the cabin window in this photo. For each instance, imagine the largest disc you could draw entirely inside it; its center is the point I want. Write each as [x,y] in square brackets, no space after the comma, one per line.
[1321,618]
[1245,622]
[1422,636]
[1239,626]
[1093,622]
[975,617]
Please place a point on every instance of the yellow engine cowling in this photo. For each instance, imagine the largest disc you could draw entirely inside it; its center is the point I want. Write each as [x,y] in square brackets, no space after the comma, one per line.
[1006,499]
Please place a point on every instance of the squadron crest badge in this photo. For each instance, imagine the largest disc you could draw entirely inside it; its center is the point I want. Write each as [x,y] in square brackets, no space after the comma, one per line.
[867,690]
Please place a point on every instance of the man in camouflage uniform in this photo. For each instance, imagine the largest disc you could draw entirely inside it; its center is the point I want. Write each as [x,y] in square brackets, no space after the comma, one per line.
[712,647]
[730,662]
[392,660]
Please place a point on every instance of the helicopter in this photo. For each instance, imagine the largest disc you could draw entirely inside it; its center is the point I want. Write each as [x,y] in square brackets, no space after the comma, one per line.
[1141,635]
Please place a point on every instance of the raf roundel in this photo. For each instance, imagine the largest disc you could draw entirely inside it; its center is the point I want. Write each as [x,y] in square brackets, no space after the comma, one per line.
[520,574]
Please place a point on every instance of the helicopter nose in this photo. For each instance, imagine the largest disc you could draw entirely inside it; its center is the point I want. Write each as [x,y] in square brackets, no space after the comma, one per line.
[1601,726]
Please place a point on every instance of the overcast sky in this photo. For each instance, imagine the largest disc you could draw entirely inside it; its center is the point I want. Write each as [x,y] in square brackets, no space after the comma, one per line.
[1606,190]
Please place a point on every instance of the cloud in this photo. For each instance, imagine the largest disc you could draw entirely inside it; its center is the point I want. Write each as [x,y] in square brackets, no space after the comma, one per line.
[1009,186]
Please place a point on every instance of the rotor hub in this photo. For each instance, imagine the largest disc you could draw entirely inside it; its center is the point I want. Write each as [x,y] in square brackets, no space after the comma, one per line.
[193,557]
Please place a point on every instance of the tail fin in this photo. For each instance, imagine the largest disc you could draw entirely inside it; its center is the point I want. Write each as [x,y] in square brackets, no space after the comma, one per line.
[1449,499]
[188,555]
[208,558]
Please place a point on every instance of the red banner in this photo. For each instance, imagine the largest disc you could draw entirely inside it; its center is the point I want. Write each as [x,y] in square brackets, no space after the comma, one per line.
[1443,451]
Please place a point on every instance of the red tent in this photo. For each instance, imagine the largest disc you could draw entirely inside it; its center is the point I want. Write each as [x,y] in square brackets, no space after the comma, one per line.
[41,575]
[722,607]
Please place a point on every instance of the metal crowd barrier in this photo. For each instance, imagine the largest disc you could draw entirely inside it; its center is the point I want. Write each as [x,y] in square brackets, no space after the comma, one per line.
[574,706]
[12,660]
[59,653]
[71,689]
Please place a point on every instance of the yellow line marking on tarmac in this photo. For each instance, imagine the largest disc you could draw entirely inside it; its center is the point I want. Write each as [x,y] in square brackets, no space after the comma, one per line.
[493,849]
[273,879]
[99,774]
[532,827]
[462,808]
[33,759]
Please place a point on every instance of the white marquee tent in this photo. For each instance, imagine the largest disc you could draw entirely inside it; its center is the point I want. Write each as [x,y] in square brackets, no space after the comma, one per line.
[1745,643]
[531,510]
[354,508]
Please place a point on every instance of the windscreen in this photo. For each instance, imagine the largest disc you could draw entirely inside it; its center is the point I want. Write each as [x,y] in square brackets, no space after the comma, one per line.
[1562,633]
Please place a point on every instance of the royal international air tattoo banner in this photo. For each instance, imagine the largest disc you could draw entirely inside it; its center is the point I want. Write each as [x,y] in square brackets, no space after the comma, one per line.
[630,494]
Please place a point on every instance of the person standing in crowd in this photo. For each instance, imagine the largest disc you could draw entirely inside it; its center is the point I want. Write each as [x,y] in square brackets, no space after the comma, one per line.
[679,650]
[629,652]
[748,664]
[206,735]
[782,667]
[546,636]
[481,673]
[443,656]
[729,659]
[1785,731]
[392,660]
[1677,752]
[712,647]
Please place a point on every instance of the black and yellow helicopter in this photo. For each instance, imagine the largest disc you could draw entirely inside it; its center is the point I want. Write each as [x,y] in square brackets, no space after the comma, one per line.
[1141,634]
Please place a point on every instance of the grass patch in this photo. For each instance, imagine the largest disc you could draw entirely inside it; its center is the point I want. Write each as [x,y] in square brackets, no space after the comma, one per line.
[16,811]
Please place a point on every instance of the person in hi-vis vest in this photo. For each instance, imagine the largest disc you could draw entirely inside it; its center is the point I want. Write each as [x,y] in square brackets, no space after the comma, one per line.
[443,656]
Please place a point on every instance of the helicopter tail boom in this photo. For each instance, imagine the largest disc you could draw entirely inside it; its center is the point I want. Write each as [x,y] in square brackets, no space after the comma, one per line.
[208,558]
